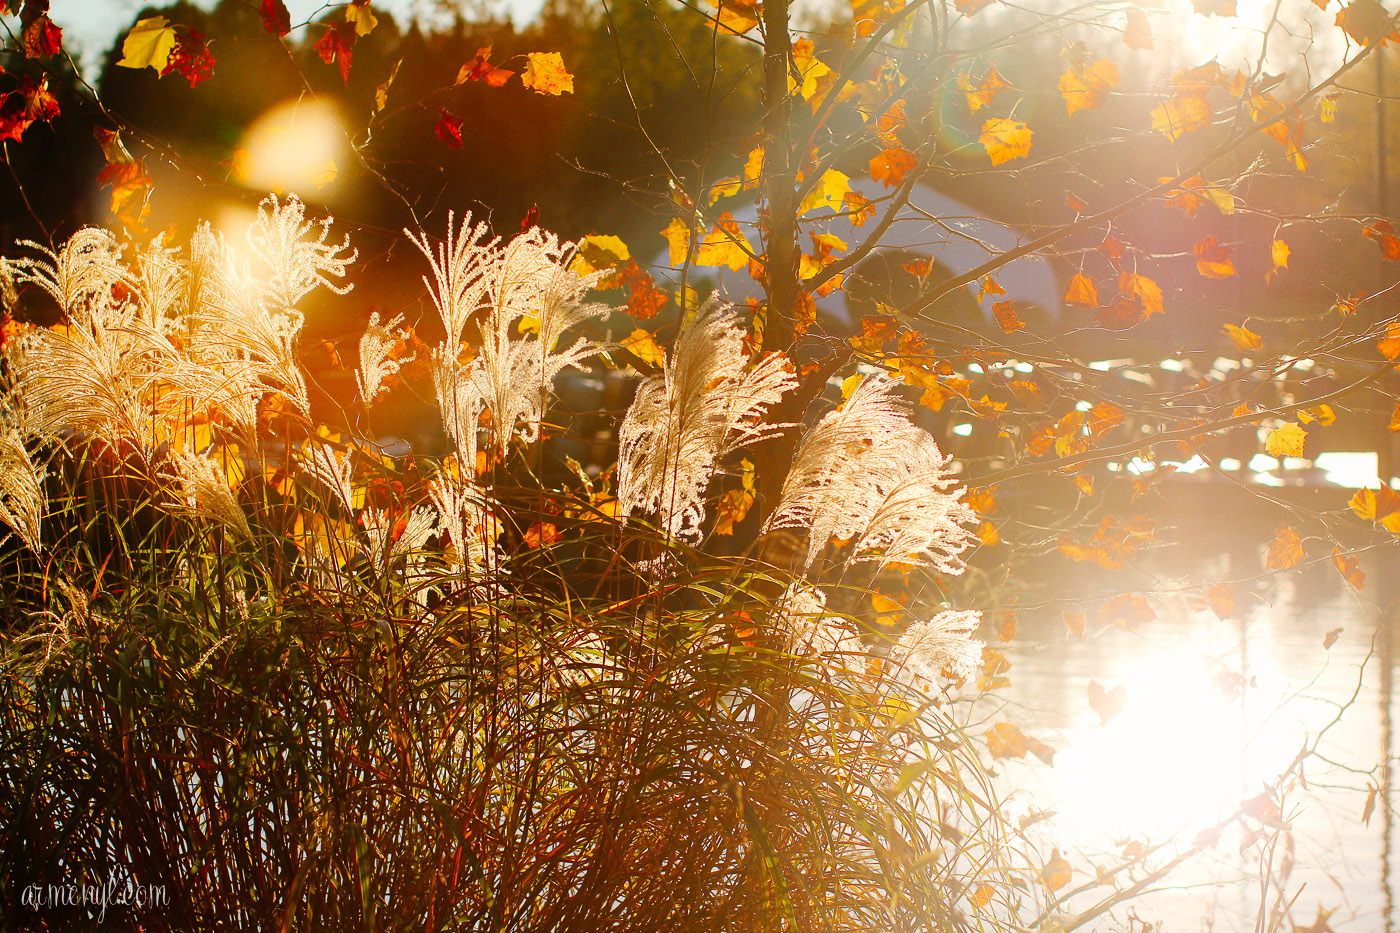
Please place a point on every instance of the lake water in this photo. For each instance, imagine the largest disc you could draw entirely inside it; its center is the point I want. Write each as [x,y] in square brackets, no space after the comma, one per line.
[1212,712]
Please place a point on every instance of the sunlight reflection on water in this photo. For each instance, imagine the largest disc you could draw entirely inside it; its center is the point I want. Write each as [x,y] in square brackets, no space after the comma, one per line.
[1214,710]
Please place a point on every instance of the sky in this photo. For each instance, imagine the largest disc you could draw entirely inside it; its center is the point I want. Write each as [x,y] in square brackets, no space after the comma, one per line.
[90,27]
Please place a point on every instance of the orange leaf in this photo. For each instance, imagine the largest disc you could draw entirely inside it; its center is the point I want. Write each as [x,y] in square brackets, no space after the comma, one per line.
[1222,600]
[1056,873]
[1082,291]
[1366,21]
[1389,345]
[891,165]
[737,17]
[1384,234]
[1005,313]
[1075,622]
[1286,550]
[1127,611]
[1394,426]
[481,69]
[1213,258]
[982,93]
[1107,703]
[1183,114]
[542,534]
[1349,567]
[1137,34]
[545,74]
[1144,290]
[1006,741]
[1244,338]
[1005,139]
[1379,505]
[724,245]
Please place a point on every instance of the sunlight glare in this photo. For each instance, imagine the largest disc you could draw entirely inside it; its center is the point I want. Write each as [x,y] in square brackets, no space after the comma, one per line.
[296,146]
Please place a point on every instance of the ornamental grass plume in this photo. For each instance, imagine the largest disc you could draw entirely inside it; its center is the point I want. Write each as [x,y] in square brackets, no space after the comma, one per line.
[707,403]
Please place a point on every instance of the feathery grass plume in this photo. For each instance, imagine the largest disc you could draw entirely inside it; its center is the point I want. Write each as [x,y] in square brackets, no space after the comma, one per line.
[162,285]
[332,469]
[459,404]
[459,283]
[866,471]
[376,363]
[278,236]
[534,300]
[470,529]
[101,372]
[941,643]
[204,492]
[8,291]
[81,273]
[705,405]
[22,501]
[811,630]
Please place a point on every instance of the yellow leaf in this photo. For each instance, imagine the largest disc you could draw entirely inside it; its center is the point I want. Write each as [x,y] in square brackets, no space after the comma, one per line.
[1144,289]
[1279,253]
[1378,505]
[677,235]
[1244,338]
[324,175]
[988,534]
[737,17]
[830,192]
[1394,426]
[1327,107]
[1322,414]
[644,346]
[724,245]
[1084,88]
[1287,441]
[982,894]
[1005,139]
[545,74]
[811,68]
[1075,622]
[149,44]
[1184,114]
[1056,873]
[596,252]
[1222,199]
[359,14]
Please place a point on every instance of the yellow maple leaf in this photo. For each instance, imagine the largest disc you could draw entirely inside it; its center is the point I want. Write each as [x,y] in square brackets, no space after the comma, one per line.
[737,17]
[724,245]
[1243,337]
[1183,114]
[545,74]
[149,44]
[1322,414]
[361,16]
[596,252]
[1378,505]
[811,68]
[1287,441]
[1005,139]
[1286,550]
[1082,291]
[1004,740]
[643,345]
[829,192]
[1279,253]
[1084,88]
[982,93]
[1143,289]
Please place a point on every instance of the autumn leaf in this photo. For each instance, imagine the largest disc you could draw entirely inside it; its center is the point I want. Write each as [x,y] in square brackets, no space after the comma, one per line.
[481,69]
[1378,505]
[1005,314]
[644,299]
[597,252]
[1195,191]
[1127,612]
[335,46]
[1286,550]
[449,128]
[545,74]
[1349,566]
[1366,21]
[1279,253]
[1222,600]
[1389,345]
[1107,703]
[1075,622]
[1394,426]
[542,534]
[982,93]
[1384,234]
[1004,740]
[1322,415]
[40,38]
[829,192]
[811,69]
[129,183]
[891,165]
[1084,87]
[677,234]
[1137,33]
[1286,441]
[1082,291]
[724,245]
[275,17]
[1213,258]
[737,17]
[1144,290]
[1056,873]
[1005,139]
[734,505]
[149,44]
[191,57]
[21,107]
[969,7]
[1244,338]
[358,14]
[381,93]
[1183,114]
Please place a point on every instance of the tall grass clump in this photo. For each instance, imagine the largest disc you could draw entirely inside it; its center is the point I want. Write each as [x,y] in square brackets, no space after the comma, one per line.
[301,684]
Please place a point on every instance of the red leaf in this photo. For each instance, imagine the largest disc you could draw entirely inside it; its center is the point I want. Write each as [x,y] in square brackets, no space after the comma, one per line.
[334,46]
[644,299]
[481,69]
[531,218]
[449,128]
[41,38]
[191,56]
[1384,234]
[22,107]
[276,18]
